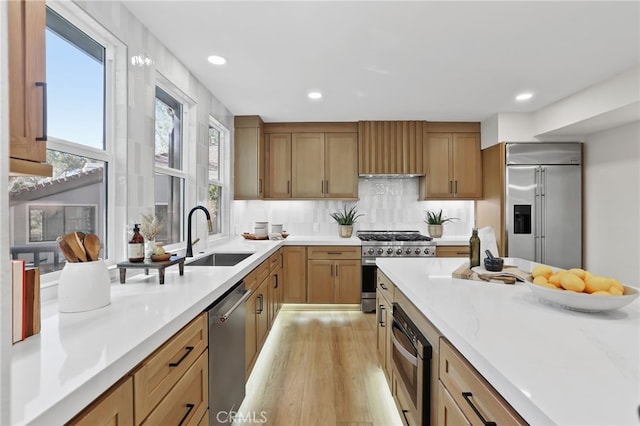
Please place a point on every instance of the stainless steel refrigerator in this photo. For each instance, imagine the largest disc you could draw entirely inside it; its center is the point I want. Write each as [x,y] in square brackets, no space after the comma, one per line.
[543,197]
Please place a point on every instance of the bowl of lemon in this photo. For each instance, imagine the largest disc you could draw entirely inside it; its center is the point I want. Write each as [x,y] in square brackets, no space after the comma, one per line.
[579,290]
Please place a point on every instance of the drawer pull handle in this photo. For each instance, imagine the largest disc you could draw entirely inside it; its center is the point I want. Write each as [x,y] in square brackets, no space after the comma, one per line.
[334,252]
[467,396]
[382,286]
[187,352]
[381,316]
[261,308]
[406,419]
[189,408]
[44,110]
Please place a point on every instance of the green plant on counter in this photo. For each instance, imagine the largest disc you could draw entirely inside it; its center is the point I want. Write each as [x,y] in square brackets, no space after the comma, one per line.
[346,217]
[434,218]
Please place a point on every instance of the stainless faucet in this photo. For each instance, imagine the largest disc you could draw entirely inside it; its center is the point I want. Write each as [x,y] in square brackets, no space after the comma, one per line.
[189,243]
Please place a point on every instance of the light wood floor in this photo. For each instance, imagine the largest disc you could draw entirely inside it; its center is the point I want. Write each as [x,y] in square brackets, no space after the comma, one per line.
[319,368]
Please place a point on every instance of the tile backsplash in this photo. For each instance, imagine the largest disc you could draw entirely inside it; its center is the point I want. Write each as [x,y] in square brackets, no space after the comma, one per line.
[387,204]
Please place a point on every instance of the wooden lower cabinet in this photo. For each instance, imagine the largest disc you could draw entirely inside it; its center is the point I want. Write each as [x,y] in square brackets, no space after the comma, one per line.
[295,274]
[452,251]
[114,407]
[334,274]
[383,337]
[187,401]
[159,373]
[474,397]
[449,414]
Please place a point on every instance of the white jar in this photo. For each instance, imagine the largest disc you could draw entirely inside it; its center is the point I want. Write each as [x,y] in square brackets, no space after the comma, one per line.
[276,228]
[261,228]
[84,286]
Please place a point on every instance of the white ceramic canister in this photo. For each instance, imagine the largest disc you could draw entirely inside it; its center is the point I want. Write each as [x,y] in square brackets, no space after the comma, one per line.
[261,228]
[84,286]
[276,228]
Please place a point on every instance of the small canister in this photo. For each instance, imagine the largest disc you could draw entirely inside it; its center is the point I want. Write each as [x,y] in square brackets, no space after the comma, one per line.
[276,228]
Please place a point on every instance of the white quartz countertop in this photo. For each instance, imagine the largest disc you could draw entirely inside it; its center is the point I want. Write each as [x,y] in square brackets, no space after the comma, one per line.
[554,366]
[77,356]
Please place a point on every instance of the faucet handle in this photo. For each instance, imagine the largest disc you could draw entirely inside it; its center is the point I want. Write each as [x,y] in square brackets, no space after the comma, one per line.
[210,225]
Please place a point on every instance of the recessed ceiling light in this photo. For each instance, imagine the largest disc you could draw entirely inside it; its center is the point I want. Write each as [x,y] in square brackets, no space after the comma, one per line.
[524,96]
[217,60]
[314,95]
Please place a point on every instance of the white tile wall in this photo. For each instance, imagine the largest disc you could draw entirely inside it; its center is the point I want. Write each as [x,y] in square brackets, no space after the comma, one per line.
[387,204]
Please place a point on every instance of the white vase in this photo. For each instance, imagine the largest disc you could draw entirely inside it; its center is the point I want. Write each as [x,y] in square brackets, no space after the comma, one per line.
[150,248]
[83,286]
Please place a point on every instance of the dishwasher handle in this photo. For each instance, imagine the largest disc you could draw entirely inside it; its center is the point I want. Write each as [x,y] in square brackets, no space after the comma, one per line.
[245,295]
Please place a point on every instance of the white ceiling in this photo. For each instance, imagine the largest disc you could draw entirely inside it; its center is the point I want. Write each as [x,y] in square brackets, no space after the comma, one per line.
[392,60]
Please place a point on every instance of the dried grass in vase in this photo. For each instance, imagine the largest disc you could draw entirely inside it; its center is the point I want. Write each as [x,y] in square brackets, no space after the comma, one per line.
[150,226]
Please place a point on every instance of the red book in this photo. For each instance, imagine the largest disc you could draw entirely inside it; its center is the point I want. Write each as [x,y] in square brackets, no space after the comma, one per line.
[31,324]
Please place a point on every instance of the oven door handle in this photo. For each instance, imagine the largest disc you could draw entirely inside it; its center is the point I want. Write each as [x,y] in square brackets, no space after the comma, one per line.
[413,360]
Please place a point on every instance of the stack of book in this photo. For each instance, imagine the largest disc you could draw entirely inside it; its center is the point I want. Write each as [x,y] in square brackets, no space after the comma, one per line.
[25,285]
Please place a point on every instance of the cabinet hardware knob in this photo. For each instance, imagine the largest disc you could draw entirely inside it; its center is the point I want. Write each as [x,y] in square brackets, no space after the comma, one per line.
[44,110]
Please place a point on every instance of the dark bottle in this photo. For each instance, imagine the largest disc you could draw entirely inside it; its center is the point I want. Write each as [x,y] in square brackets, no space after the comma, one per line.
[474,249]
[135,249]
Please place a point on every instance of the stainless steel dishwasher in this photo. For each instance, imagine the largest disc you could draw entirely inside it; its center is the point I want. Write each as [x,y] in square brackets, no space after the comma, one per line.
[226,354]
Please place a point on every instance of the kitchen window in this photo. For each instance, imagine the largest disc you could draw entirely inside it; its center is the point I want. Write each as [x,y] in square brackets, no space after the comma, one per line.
[215,180]
[76,197]
[171,108]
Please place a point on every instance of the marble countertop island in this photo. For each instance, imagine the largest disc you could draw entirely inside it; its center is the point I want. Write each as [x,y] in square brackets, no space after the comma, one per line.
[554,366]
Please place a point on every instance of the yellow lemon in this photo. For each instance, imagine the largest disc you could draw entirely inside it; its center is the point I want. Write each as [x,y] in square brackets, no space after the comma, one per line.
[615,291]
[571,282]
[555,280]
[578,272]
[615,283]
[540,280]
[587,274]
[602,293]
[541,271]
[595,283]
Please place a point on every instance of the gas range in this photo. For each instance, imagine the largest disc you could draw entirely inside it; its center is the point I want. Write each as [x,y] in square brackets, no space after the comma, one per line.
[395,244]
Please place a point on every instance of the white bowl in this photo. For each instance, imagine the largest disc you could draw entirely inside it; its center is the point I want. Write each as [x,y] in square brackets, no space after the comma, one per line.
[583,302]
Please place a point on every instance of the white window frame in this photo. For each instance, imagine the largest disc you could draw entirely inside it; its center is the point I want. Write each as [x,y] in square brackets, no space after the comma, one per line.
[115,59]
[189,114]
[224,175]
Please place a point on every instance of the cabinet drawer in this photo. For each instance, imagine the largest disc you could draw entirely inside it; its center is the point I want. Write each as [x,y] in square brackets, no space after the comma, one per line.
[161,370]
[403,402]
[188,400]
[449,414]
[452,251]
[114,407]
[262,271]
[385,287]
[333,252]
[275,261]
[471,392]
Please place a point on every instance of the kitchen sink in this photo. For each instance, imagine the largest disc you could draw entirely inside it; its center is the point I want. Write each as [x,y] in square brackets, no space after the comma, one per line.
[220,259]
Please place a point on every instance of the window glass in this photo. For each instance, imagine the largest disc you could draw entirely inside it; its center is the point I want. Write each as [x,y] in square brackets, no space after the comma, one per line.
[168,139]
[169,207]
[215,190]
[75,84]
[75,197]
[214,153]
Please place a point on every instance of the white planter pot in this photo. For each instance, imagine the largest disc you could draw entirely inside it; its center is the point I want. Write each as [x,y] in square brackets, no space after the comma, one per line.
[84,286]
[345,231]
[435,231]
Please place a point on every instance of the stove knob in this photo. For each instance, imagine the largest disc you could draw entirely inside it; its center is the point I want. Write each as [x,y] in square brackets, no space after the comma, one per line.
[389,250]
[408,251]
[399,252]
[417,251]
[427,251]
[371,251]
[380,251]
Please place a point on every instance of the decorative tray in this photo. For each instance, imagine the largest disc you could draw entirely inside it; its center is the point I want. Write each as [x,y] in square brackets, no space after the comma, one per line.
[249,236]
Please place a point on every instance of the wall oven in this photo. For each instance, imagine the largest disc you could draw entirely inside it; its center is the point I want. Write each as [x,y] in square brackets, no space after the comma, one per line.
[411,360]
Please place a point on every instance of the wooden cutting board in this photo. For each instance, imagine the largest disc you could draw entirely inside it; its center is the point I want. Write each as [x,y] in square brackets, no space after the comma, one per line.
[465,273]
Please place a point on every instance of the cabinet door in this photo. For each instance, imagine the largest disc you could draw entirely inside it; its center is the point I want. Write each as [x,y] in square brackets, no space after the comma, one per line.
[274,296]
[251,339]
[383,342]
[347,277]
[262,313]
[248,157]
[278,155]
[27,87]
[307,160]
[114,407]
[320,282]
[439,168]
[341,165]
[449,414]
[467,165]
[295,274]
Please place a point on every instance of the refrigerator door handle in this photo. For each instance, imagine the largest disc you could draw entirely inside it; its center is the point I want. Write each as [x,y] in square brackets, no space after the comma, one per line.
[543,213]
[536,212]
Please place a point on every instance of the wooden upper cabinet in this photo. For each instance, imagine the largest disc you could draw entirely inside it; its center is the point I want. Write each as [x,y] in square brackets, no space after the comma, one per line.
[341,165]
[249,158]
[391,147]
[278,165]
[453,162]
[27,88]
[307,159]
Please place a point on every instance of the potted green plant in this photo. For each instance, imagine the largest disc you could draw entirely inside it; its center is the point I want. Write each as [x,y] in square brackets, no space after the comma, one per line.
[435,221]
[346,219]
